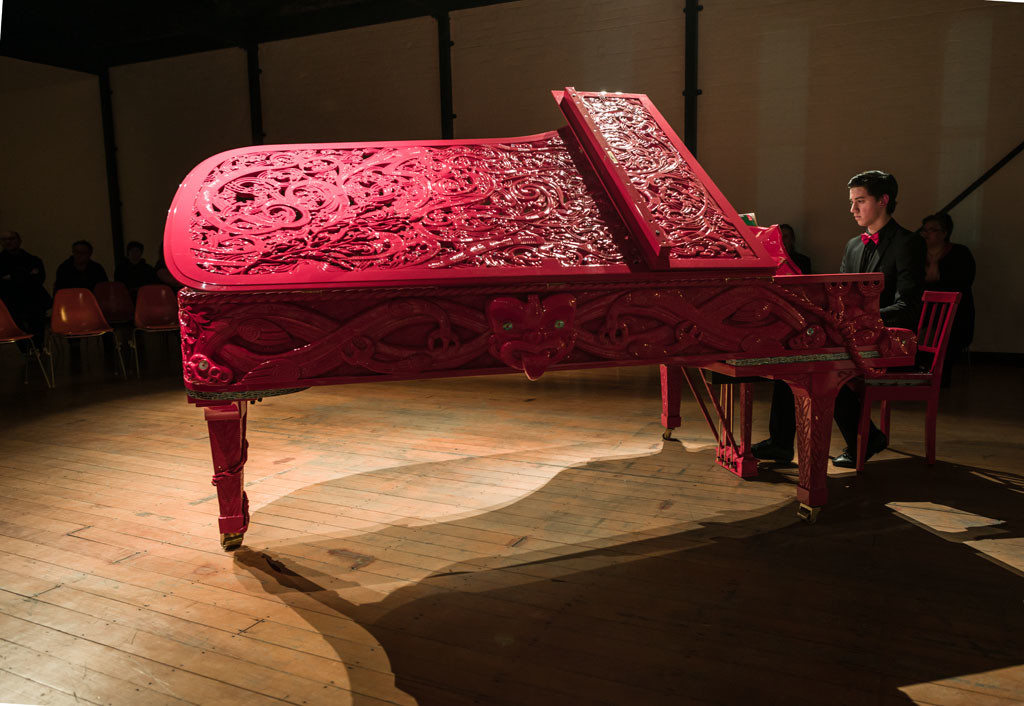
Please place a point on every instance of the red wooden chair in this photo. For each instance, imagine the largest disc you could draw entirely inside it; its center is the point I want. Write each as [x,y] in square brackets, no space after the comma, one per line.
[937,316]
[10,333]
[77,314]
[156,311]
[115,302]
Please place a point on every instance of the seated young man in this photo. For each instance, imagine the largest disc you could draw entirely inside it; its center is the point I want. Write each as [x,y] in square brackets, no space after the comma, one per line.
[884,246]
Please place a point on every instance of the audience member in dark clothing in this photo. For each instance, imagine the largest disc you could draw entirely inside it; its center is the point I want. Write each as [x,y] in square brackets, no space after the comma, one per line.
[789,242]
[21,286]
[80,270]
[884,247]
[134,271]
[165,276]
[950,267]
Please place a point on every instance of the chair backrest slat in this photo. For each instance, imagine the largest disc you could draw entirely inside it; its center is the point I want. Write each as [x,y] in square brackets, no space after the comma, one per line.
[928,338]
[937,315]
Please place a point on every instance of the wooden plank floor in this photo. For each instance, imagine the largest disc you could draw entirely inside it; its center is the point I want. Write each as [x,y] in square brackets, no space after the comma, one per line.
[496,541]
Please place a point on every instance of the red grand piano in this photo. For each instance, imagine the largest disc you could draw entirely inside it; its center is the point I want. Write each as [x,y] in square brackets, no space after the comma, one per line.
[603,243]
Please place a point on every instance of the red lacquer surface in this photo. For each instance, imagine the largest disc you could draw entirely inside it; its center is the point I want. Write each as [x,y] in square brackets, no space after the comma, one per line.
[323,215]
[692,222]
[294,216]
[258,341]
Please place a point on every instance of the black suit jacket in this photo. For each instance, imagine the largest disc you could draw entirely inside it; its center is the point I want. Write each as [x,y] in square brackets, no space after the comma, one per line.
[900,256]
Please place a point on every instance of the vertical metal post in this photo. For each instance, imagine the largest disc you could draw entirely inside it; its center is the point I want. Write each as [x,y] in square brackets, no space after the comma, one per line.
[252,55]
[690,92]
[110,150]
[444,68]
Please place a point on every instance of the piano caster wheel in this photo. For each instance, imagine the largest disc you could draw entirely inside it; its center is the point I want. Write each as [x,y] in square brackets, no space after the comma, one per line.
[807,513]
[231,540]
[667,435]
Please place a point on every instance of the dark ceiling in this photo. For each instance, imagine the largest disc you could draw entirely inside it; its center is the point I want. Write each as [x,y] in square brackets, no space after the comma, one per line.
[89,36]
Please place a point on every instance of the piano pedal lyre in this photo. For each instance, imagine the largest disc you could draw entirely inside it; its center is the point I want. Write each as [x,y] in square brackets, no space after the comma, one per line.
[667,435]
[231,540]
[808,514]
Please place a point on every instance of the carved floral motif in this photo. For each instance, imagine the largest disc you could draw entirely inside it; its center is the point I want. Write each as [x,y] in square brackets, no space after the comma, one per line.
[290,339]
[674,194]
[199,368]
[518,204]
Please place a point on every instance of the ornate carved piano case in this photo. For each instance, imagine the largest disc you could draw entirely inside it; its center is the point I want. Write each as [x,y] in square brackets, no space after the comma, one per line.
[601,243]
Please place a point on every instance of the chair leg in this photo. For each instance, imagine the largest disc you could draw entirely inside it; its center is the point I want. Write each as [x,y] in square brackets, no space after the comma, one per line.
[49,356]
[863,428]
[884,421]
[120,358]
[929,430]
[135,352]
[39,359]
[52,345]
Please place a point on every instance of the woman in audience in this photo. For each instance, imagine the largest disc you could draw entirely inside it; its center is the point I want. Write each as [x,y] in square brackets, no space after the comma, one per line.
[950,268]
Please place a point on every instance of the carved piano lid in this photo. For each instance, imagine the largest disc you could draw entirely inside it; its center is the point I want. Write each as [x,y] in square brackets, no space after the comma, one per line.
[614,195]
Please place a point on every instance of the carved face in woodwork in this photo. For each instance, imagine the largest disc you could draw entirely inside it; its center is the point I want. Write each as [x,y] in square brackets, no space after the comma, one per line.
[532,335]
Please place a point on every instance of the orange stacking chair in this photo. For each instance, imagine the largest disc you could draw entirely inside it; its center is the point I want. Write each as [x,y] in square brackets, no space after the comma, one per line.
[10,333]
[77,314]
[933,329]
[156,311]
[115,302]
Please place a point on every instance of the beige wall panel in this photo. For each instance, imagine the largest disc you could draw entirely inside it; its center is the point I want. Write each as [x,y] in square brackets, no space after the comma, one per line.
[507,58]
[169,115]
[799,95]
[364,84]
[728,111]
[997,235]
[53,181]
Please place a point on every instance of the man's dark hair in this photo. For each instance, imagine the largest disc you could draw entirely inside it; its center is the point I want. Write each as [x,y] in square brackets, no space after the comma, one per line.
[86,243]
[786,226]
[943,220]
[134,244]
[878,184]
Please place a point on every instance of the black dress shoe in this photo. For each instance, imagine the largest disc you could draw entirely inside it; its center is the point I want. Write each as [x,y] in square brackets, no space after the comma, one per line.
[845,460]
[876,443]
[768,450]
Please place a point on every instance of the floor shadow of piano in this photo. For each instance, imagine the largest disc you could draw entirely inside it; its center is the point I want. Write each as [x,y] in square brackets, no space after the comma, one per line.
[743,607]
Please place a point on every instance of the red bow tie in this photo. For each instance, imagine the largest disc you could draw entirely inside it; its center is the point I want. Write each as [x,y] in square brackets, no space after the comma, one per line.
[869,237]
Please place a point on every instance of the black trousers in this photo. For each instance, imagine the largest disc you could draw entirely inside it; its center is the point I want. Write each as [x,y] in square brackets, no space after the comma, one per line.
[782,423]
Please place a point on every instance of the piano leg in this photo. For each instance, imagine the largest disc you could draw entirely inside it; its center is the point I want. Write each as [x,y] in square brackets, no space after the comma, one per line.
[227,442]
[671,398]
[814,395]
